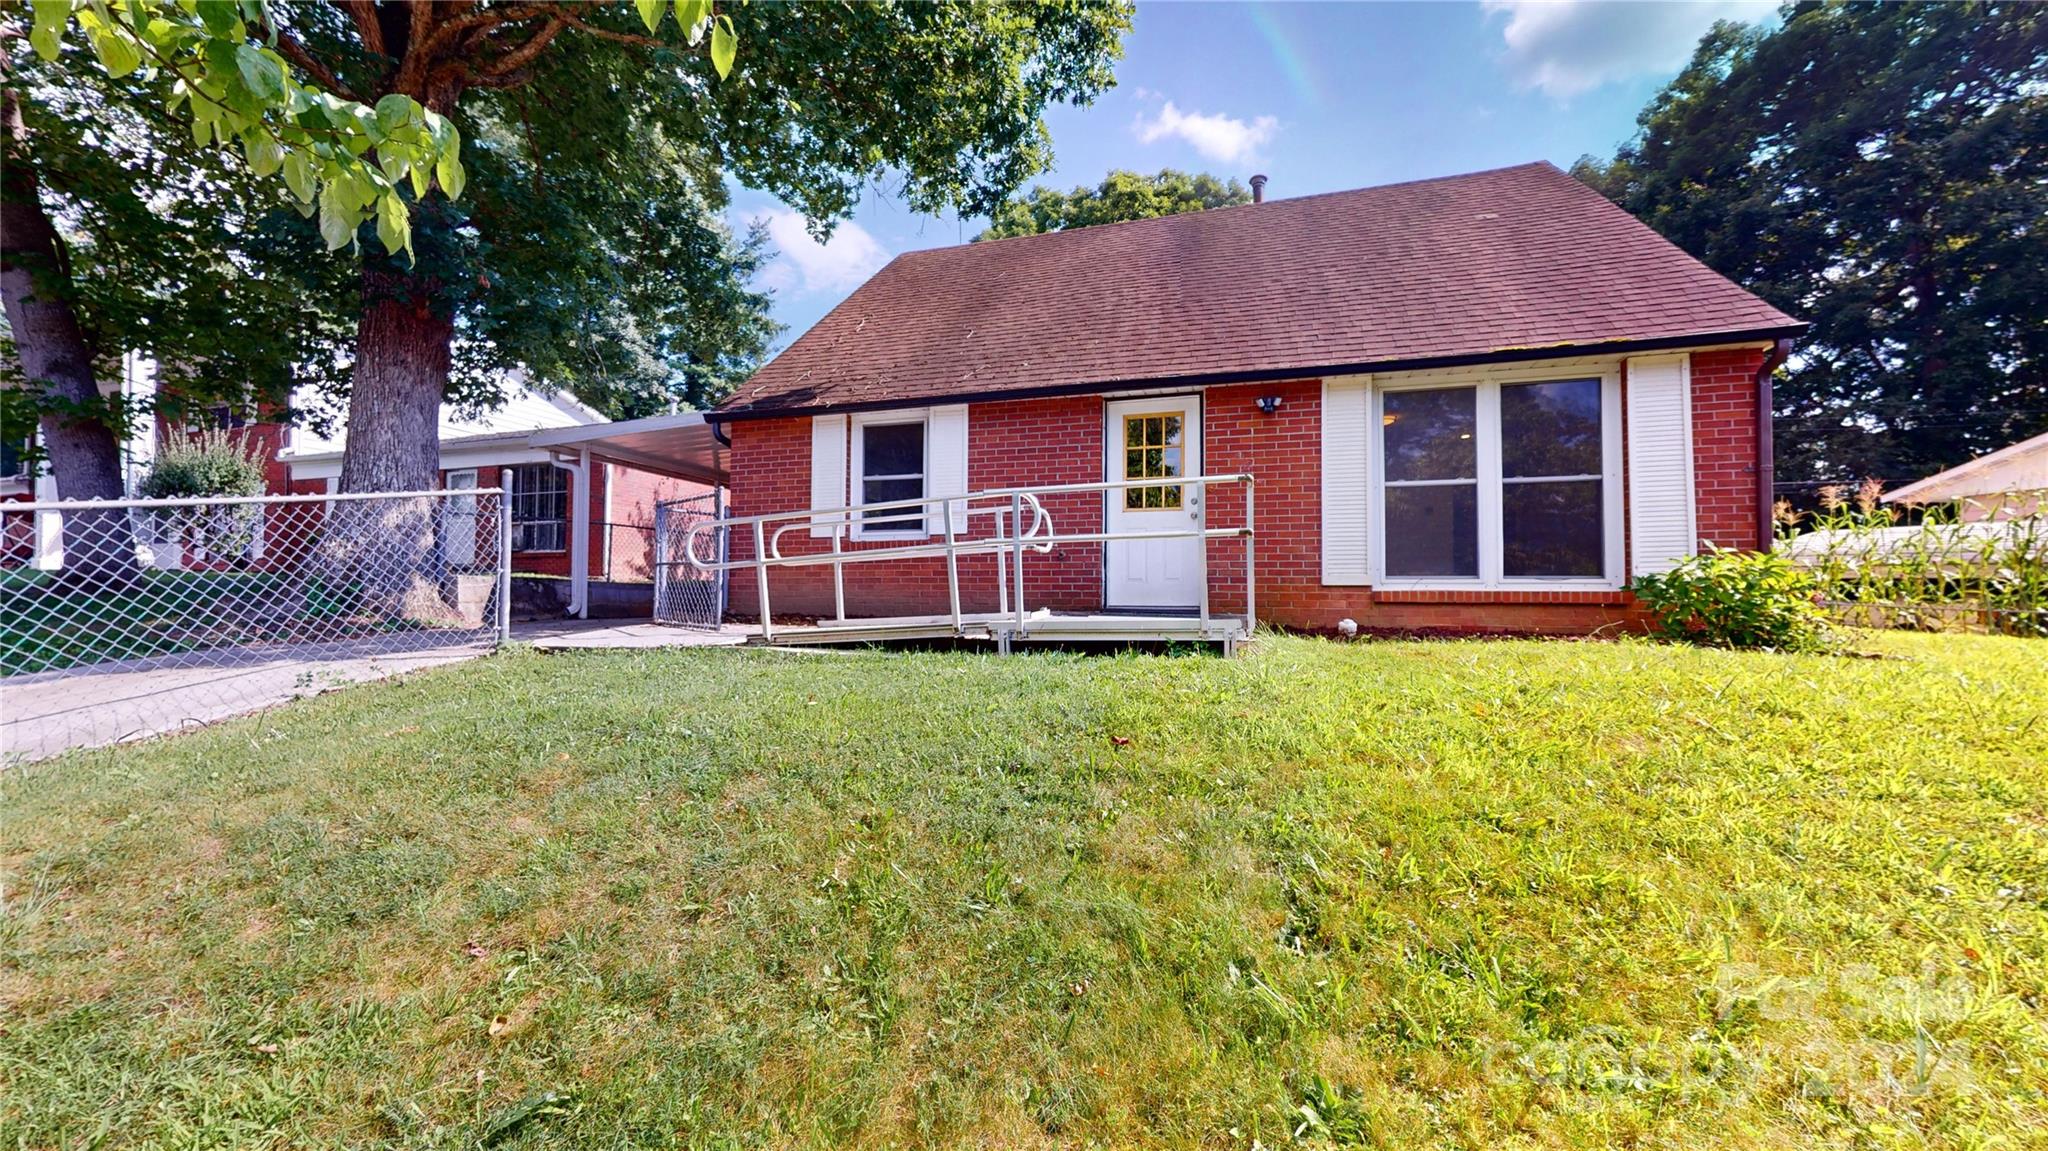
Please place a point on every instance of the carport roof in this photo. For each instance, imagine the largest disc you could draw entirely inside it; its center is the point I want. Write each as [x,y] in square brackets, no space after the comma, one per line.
[680,445]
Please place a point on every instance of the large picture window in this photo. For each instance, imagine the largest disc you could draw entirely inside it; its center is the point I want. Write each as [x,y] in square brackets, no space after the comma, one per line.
[540,507]
[1498,483]
[889,465]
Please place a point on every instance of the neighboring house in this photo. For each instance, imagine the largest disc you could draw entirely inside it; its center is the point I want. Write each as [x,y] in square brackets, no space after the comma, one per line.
[490,449]
[2010,483]
[1476,403]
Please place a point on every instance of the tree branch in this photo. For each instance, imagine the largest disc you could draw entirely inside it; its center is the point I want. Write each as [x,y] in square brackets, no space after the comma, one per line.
[289,47]
[517,58]
[620,37]
[364,14]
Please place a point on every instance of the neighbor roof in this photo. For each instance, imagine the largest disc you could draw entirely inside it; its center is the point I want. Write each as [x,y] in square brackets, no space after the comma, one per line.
[1959,481]
[1517,261]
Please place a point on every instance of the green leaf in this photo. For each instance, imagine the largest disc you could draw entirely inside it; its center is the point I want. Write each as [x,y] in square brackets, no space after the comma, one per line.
[394,225]
[300,178]
[51,16]
[117,54]
[421,174]
[220,18]
[650,13]
[725,46]
[448,171]
[337,220]
[394,112]
[692,14]
[264,153]
[260,71]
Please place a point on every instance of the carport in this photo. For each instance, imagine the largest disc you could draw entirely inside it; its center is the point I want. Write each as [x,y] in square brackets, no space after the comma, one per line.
[681,445]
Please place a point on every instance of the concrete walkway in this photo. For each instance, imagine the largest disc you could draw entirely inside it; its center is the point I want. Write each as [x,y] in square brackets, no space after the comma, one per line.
[51,712]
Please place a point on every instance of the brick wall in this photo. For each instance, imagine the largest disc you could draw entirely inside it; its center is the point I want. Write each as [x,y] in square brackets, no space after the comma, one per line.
[1010,444]
[1724,445]
[1053,441]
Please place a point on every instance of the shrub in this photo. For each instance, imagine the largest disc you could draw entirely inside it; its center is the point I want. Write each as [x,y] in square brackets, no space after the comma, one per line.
[1963,564]
[208,463]
[1738,599]
[198,466]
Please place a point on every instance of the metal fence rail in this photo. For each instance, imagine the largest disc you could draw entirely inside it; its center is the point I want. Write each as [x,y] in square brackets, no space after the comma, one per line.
[133,617]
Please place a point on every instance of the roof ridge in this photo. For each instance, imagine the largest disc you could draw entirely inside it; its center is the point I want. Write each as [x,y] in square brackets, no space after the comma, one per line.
[1211,213]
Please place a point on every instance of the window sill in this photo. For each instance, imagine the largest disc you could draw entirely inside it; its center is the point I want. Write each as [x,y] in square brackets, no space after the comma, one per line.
[1506,593]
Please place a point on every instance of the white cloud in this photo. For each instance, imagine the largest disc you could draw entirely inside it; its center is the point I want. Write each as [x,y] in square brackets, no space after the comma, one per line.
[1224,139]
[1566,47]
[803,265]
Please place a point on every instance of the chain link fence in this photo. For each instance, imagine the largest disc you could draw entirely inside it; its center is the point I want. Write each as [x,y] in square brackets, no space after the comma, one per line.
[685,594]
[135,617]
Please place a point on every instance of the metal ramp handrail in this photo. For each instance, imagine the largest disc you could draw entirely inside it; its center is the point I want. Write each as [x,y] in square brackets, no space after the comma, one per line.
[1012,534]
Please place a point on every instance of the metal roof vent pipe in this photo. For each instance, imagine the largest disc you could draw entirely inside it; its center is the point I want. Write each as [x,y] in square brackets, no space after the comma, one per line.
[1258,189]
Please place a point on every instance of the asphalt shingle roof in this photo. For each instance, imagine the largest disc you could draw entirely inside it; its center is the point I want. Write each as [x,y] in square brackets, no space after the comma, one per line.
[1471,266]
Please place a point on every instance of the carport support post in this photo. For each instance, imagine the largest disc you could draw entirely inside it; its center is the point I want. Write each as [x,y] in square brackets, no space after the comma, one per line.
[579,535]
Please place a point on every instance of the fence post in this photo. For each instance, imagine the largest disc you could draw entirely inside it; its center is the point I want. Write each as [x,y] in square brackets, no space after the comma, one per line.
[1017,518]
[724,555]
[1202,554]
[952,562]
[1251,613]
[504,570]
[661,555]
[761,580]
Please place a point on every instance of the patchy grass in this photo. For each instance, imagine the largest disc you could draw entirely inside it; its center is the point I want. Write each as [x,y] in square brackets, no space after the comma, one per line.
[1403,894]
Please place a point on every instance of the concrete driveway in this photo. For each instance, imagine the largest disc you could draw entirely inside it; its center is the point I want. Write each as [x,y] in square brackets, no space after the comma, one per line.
[47,713]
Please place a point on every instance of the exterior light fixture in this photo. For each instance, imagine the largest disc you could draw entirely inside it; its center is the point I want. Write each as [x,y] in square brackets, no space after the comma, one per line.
[1269,404]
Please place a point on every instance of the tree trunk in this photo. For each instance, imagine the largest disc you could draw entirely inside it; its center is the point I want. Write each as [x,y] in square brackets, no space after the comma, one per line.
[401,372]
[56,364]
[388,548]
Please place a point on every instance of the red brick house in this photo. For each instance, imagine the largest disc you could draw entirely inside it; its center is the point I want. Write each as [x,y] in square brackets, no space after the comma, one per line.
[492,450]
[1477,403]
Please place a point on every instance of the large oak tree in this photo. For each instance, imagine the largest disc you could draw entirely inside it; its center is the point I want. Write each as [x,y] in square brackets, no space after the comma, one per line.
[1882,171]
[599,125]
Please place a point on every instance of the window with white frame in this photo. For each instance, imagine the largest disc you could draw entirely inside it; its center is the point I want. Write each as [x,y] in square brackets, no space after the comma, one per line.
[1509,482]
[540,506]
[888,464]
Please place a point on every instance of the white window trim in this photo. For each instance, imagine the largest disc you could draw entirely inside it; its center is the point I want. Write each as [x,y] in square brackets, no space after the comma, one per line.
[856,473]
[1487,410]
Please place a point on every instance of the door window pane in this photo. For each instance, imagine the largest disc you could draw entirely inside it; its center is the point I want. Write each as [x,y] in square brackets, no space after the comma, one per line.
[1552,529]
[1152,447]
[1433,530]
[1427,435]
[1550,429]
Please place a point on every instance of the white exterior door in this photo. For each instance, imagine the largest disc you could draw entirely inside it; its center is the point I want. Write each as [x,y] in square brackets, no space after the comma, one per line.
[1155,437]
[461,519]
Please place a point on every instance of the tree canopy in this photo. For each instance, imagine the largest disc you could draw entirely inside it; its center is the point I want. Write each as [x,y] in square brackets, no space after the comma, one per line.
[1880,170]
[1121,196]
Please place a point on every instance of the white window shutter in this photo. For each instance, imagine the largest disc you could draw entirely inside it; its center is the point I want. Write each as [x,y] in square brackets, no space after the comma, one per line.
[945,447]
[828,472]
[1345,443]
[1660,482]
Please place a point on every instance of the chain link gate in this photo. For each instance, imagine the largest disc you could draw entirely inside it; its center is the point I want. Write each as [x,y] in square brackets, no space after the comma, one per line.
[125,618]
[685,594]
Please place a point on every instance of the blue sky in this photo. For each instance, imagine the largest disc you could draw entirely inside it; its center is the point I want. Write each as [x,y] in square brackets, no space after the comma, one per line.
[1320,97]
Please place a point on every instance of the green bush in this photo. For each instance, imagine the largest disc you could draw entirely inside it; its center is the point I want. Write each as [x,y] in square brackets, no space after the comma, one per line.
[1724,598]
[208,463]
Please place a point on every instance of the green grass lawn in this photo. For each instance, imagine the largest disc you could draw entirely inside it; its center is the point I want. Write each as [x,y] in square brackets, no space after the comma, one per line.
[1473,894]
